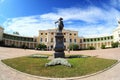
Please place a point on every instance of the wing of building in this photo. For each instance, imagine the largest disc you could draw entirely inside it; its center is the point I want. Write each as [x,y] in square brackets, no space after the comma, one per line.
[47,37]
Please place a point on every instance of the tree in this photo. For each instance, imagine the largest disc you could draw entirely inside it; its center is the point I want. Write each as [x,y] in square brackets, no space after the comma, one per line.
[41,46]
[16,33]
[115,44]
[73,46]
[103,46]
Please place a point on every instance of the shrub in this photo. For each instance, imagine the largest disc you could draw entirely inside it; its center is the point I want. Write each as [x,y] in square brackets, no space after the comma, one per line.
[91,48]
[103,46]
[2,43]
[58,61]
[115,44]
[73,47]
[12,45]
[24,46]
[41,46]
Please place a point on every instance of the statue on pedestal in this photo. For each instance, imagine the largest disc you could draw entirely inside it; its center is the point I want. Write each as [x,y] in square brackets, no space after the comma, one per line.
[59,40]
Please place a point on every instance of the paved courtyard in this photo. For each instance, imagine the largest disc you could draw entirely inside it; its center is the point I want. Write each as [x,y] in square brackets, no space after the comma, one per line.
[7,73]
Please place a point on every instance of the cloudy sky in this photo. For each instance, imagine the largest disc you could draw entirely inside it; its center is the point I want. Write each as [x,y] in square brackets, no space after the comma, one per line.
[90,17]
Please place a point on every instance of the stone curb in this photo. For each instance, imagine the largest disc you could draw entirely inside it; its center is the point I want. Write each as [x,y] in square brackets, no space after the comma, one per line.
[48,78]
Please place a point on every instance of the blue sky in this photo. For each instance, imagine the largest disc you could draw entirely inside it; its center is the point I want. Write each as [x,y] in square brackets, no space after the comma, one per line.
[90,17]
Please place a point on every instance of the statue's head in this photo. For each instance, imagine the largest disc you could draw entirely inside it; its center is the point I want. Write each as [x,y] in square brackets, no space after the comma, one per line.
[60,18]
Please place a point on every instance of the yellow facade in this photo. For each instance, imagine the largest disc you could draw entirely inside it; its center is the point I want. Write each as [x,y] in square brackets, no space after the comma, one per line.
[48,38]
[19,41]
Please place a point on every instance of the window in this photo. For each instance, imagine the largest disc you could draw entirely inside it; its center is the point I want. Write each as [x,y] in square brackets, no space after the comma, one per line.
[52,33]
[75,40]
[41,33]
[87,40]
[80,40]
[70,40]
[51,39]
[98,39]
[101,38]
[70,34]
[45,39]
[45,33]
[64,33]
[91,39]
[105,38]
[111,37]
[84,40]
[40,39]
[51,46]
[75,34]
[64,39]
[95,39]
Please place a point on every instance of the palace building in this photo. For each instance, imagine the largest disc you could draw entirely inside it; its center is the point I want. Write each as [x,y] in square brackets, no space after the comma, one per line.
[70,36]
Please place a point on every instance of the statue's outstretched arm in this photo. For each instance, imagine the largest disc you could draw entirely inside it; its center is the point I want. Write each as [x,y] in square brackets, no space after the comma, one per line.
[56,22]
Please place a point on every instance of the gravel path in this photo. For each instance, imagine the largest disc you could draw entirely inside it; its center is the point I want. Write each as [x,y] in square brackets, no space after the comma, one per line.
[7,73]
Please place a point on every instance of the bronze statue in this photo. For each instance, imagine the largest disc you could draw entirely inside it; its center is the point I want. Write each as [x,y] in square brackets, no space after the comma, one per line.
[60,24]
[59,40]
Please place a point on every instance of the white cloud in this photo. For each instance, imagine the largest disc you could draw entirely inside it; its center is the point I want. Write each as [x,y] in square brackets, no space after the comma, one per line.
[93,30]
[27,26]
[98,21]
[91,14]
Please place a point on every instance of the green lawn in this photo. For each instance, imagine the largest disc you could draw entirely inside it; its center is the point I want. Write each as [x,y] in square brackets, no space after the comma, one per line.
[81,66]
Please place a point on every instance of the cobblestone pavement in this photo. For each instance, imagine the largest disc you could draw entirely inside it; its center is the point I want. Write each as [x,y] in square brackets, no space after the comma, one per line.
[7,73]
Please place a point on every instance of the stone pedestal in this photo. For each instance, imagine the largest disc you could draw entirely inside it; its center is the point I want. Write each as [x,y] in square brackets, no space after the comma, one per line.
[59,45]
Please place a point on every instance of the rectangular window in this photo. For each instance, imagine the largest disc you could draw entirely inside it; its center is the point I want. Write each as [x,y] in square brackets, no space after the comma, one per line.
[98,39]
[40,39]
[51,46]
[64,39]
[105,38]
[45,39]
[84,40]
[91,39]
[51,39]
[52,33]
[75,40]
[70,40]
[87,40]
[101,38]
[95,39]
[111,37]
[80,40]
